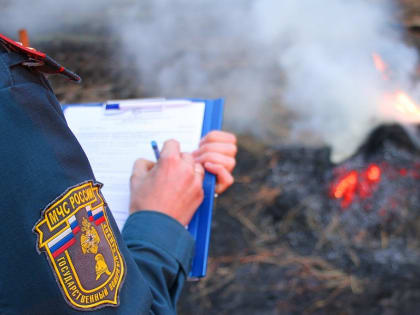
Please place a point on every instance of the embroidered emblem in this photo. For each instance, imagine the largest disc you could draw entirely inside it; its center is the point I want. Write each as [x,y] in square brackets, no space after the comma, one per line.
[75,234]
[90,239]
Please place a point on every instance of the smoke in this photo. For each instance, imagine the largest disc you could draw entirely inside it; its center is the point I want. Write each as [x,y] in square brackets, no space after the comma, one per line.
[180,48]
[48,17]
[204,49]
[326,52]
[267,58]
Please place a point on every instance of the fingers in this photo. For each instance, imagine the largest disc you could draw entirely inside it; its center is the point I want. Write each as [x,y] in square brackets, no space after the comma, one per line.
[173,186]
[217,153]
[195,182]
[142,167]
[224,177]
[199,171]
[219,136]
[171,148]
[197,167]
[218,147]
[187,158]
[228,149]
[198,181]
[217,158]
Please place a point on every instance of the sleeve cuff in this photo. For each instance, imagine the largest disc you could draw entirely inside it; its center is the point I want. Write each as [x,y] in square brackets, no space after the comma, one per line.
[162,231]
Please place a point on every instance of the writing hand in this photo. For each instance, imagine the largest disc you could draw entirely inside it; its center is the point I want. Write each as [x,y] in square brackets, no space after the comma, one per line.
[172,186]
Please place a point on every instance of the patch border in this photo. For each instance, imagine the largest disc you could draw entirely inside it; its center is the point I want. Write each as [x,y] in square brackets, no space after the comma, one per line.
[51,260]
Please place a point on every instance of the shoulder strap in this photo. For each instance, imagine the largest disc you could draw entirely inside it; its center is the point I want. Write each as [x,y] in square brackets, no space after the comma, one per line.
[38,59]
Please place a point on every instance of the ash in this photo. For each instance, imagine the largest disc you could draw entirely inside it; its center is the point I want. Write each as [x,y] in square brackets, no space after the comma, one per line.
[283,245]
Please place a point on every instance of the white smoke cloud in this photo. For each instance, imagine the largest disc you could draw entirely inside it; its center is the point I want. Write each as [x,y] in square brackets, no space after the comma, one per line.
[326,50]
[204,49]
[242,50]
[46,17]
[180,48]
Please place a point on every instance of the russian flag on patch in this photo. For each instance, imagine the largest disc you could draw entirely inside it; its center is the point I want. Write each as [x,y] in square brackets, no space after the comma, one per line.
[61,242]
[98,215]
[74,225]
[89,212]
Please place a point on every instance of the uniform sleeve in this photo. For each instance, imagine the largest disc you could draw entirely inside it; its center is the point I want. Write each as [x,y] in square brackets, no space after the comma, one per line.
[40,160]
[162,248]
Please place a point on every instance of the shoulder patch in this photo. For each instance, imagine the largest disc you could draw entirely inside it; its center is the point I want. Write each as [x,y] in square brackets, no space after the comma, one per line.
[75,234]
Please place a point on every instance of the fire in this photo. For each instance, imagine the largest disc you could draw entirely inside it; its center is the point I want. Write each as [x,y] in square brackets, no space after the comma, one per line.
[356,184]
[400,105]
[380,65]
[346,184]
[361,184]
[405,104]
[397,104]
[373,173]
[345,189]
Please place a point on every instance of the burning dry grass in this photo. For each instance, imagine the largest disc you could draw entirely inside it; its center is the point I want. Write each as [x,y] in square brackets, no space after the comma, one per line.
[264,249]
[280,245]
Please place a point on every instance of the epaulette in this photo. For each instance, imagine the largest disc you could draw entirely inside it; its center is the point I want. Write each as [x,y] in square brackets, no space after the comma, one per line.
[38,59]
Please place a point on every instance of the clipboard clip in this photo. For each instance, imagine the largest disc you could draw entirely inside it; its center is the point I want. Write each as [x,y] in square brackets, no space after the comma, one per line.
[143,105]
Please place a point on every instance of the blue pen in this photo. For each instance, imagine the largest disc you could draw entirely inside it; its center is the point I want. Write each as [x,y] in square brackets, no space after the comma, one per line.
[155,149]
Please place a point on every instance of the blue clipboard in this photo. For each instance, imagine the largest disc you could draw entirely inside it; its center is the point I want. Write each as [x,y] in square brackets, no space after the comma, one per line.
[200,225]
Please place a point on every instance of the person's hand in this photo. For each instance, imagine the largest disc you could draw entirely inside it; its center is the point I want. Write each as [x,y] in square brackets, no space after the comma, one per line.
[172,186]
[217,153]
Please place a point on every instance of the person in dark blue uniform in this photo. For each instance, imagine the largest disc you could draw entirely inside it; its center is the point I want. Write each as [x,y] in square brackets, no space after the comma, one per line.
[62,252]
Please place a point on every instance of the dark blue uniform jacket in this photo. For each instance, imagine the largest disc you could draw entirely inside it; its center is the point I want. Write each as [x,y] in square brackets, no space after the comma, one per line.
[39,160]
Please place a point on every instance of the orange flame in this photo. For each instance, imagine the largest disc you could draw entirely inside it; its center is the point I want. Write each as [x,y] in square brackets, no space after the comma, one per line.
[373,173]
[380,65]
[399,103]
[347,183]
[355,183]
[345,189]
[405,104]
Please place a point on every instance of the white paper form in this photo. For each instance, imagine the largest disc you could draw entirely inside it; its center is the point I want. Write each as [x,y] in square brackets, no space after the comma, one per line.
[112,142]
